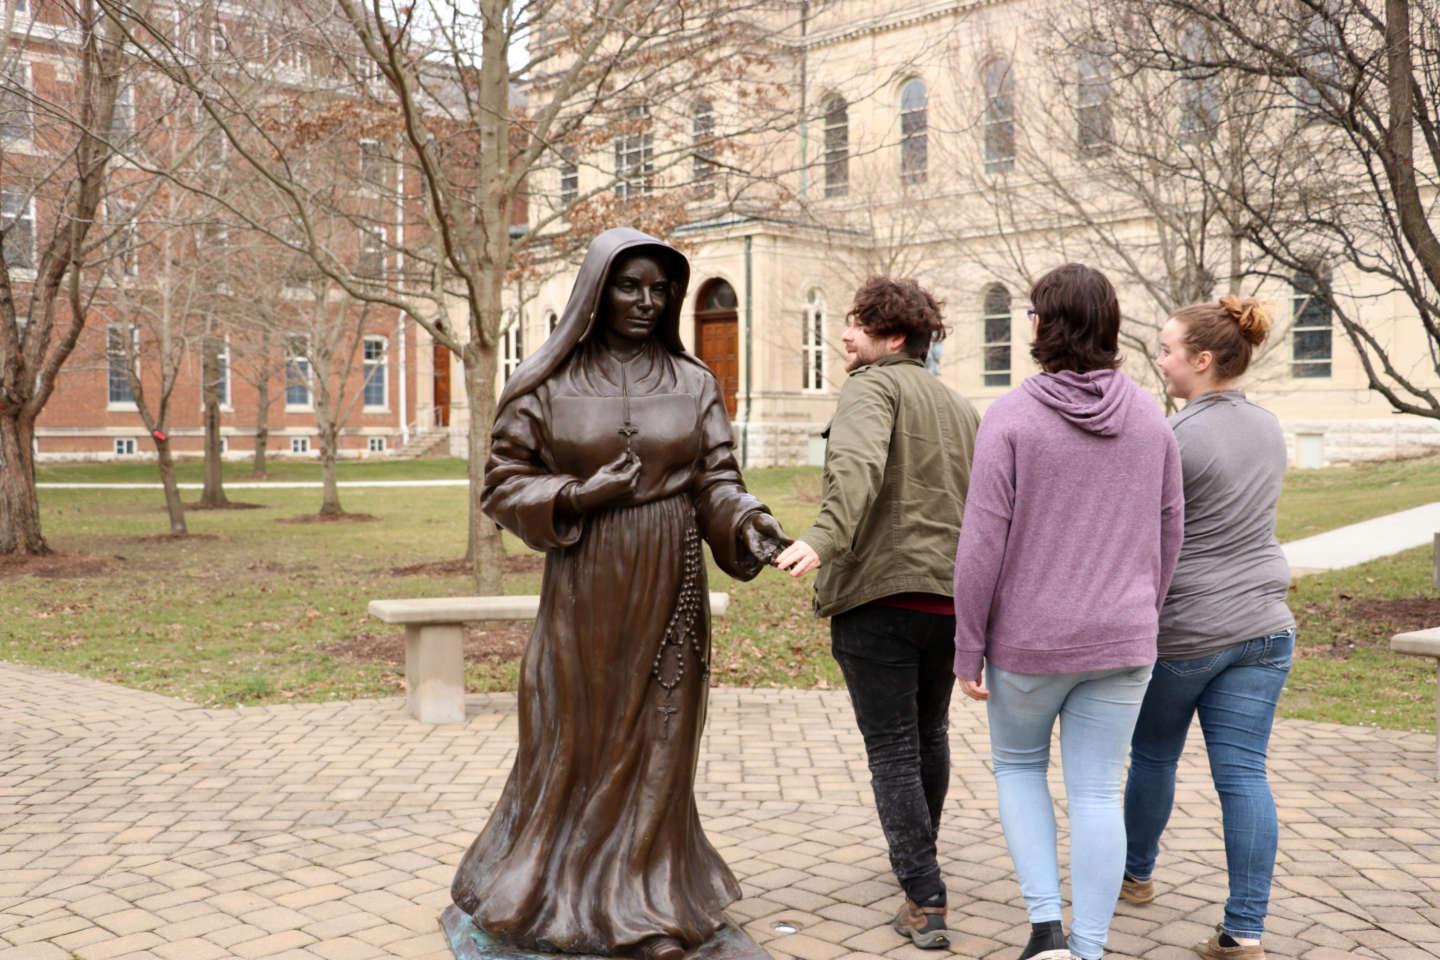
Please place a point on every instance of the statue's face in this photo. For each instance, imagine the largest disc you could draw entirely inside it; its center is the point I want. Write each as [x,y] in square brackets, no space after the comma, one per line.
[636,296]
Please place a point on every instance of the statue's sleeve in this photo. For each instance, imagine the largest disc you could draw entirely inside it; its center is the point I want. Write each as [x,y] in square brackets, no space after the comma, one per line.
[521,489]
[722,503]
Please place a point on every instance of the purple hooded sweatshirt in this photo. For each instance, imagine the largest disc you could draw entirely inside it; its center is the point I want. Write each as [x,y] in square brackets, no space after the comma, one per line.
[1071,530]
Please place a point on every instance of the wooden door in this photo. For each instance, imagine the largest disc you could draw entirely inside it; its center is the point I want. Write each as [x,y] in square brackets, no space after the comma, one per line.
[717,338]
[442,385]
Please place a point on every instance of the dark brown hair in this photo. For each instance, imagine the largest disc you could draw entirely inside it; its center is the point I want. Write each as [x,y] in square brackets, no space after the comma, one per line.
[885,307]
[1079,320]
[1230,328]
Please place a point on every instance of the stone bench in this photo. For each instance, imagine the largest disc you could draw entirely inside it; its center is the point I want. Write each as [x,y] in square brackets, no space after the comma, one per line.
[1424,643]
[434,657]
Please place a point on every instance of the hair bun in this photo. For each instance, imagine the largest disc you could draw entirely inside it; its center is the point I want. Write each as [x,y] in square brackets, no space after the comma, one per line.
[1250,315]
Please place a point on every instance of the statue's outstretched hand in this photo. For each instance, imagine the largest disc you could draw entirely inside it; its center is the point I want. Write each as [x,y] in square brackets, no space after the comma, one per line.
[763,536]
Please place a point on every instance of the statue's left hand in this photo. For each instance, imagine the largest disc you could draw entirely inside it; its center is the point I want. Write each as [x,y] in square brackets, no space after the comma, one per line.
[763,536]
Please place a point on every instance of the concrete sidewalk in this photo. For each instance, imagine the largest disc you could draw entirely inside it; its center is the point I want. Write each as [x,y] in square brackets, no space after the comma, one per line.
[1366,541]
[136,826]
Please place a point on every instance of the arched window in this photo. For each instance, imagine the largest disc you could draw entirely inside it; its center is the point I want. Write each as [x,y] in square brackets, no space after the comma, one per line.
[1093,129]
[512,347]
[551,322]
[1312,333]
[812,343]
[999,117]
[702,163]
[837,146]
[995,332]
[1199,86]
[914,131]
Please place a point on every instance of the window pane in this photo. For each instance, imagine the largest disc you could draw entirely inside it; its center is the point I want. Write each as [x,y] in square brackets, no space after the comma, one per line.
[997,379]
[1308,370]
[997,358]
[1312,344]
[837,148]
[913,132]
[997,329]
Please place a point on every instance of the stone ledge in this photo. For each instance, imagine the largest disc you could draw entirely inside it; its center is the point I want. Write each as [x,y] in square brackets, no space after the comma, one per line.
[1418,643]
[469,609]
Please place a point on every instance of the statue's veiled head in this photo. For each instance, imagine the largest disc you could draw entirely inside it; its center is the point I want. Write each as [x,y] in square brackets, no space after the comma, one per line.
[637,293]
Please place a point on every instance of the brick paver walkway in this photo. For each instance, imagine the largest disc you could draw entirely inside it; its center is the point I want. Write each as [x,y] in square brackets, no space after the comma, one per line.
[132,825]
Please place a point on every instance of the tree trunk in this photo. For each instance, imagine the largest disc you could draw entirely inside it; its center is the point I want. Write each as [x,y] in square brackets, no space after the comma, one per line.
[173,506]
[486,553]
[330,499]
[19,507]
[213,494]
[262,413]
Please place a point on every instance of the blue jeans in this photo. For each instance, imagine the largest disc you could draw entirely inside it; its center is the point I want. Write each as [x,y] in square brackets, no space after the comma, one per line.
[1097,713]
[1234,691]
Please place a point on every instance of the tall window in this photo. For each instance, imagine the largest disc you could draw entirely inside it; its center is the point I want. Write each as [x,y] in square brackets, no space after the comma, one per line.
[374,364]
[16,118]
[914,131]
[1199,87]
[569,179]
[122,120]
[120,357]
[1316,53]
[17,221]
[634,166]
[812,343]
[703,158]
[297,371]
[372,163]
[1092,102]
[837,147]
[999,121]
[1311,327]
[222,364]
[512,347]
[371,262]
[995,330]
[123,244]
[551,322]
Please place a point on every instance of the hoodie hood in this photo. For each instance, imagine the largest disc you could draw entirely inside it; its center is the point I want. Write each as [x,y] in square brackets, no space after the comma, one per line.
[1096,402]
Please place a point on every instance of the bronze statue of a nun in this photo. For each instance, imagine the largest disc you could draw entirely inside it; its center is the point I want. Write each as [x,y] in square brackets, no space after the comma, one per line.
[612,452]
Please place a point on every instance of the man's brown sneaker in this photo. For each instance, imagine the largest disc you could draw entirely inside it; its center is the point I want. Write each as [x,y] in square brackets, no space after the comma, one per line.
[1213,949]
[1139,892]
[925,926]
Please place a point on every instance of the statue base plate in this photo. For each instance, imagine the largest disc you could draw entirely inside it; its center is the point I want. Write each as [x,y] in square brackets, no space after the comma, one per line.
[469,942]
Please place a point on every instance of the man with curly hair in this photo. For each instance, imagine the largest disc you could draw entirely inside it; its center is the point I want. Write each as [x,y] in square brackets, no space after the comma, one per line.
[897,466]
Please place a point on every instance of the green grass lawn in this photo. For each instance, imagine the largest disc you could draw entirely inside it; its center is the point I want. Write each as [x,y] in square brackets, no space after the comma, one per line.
[255,610]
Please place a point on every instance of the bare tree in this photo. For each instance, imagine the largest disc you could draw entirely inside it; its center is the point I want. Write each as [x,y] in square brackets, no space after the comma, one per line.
[1349,139]
[44,303]
[631,110]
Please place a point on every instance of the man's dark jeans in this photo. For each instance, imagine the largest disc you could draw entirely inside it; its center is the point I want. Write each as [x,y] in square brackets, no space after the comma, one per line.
[899,666]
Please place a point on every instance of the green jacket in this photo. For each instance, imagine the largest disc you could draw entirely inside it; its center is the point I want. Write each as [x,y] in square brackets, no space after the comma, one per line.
[897,465]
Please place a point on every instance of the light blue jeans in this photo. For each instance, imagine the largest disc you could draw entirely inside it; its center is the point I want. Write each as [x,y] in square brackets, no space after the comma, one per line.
[1097,712]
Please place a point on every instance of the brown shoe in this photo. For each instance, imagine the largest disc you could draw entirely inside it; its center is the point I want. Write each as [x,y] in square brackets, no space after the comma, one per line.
[925,926]
[1212,950]
[1139,892]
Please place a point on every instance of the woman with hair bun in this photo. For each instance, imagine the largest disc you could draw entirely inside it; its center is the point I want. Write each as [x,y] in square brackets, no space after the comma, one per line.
[1226,634]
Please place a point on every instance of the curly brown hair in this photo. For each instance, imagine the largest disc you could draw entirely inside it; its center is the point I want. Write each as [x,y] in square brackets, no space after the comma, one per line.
[1230,328]
[1079,327]
[885,307]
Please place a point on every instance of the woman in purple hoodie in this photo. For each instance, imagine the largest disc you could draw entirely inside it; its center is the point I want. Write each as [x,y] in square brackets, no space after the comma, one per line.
[1070,534]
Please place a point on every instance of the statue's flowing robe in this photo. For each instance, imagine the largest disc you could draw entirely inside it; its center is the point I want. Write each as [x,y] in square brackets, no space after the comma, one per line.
[595,843]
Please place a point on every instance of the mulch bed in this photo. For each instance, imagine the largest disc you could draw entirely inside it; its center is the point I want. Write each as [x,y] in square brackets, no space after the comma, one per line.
[525,563]
[330,518]
[172,537]
[498,641]
[56,566]
[1367,622]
